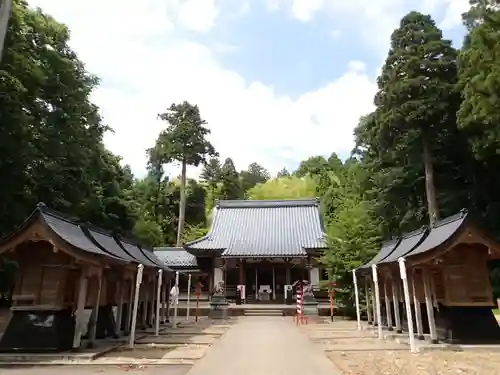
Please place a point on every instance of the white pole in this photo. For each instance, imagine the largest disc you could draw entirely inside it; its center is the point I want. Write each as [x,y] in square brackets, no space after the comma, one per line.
[175,299]
[5,10]
[158,302]
[377,301]
[356,294]
[189,297]
[138,281]
[429,306]
[409,315]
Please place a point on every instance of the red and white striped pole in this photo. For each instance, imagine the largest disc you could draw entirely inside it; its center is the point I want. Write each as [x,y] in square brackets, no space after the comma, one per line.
[300,305]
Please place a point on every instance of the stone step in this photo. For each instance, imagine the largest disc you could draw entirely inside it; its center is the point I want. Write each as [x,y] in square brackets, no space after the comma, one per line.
[263,312]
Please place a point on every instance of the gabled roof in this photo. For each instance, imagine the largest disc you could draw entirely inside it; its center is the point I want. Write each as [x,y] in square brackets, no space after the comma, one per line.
[441,232]
[408,242]
[387,248]
[87,238]
[264,228]
[176,257]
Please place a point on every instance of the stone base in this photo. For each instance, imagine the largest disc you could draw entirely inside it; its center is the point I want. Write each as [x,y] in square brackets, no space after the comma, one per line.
[463,325]
[218,308]
[38,331]
[310,306]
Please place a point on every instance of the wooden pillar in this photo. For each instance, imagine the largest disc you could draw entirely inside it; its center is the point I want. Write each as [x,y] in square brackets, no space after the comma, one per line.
[429,306]
[374,302]
[418,312]
[145,302]
[242,272]
[288,273]
[130,307]
[119,313]
[368,305]
[388,309]
[95,313]
[164,300]
[256,282]
[152,293]
[274,283]
[80,308]
[395,298]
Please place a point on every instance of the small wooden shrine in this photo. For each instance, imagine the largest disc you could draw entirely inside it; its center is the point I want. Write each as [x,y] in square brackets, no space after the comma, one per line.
[450,288]
[74,281]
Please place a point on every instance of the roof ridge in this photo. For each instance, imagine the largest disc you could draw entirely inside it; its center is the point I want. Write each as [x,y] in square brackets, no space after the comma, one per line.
[450,219]
[415,232]
[267,203]
[44,209]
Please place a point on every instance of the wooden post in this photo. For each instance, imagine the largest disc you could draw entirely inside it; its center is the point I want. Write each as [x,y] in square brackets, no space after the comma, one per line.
[395,299]
[274,283]
[119,312]
[152,307]
[404,279]
[368,305]
[388,309]
[356,297]
[138,281]
[164,301]
[377,301]
[80,308]
[158,303]
[130,306]
[429,307]
[418,312]
[144,316]
[95,313]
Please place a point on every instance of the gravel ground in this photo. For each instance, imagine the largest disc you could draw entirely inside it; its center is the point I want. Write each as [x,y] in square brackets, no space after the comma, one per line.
[430,363]
[96,370]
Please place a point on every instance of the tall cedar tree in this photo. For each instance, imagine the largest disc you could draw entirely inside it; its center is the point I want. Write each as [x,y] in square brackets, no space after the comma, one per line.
[184,140]
[479,80]
[230,181]
[416,88]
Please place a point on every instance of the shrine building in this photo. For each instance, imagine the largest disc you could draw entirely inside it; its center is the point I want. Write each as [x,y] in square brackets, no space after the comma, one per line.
[261,244]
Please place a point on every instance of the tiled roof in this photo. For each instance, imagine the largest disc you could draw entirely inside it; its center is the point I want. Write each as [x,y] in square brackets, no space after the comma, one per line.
[175,257]
[408,242]
[441,232]
[387,248]
[89,238]
[71,232]
[264,228]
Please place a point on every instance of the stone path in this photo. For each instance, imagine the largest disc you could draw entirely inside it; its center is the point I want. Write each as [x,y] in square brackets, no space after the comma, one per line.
[264,346]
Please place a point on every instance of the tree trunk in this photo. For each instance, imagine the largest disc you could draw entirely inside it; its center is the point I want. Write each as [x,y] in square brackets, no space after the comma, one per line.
[182,205]
[430,188]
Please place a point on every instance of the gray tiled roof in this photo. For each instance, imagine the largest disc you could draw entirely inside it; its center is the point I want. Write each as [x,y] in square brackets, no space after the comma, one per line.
[441,232]
[135,252]
[175,257]
[408,242]
[387,249]
[108,243]
[71,232]
[264,228]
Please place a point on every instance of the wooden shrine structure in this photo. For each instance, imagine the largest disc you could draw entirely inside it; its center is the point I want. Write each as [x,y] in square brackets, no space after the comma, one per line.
[74,281]
[448,277]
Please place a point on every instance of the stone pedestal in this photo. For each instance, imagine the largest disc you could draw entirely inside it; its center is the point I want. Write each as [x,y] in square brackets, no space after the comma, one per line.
[38,331]
[218,308]
[310,306]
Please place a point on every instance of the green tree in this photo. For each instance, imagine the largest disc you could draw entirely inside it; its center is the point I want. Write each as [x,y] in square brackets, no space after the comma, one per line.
[184,140]
[417,97]
[284,188]
[230,181]
[312,166]
[283,173]
[255,174]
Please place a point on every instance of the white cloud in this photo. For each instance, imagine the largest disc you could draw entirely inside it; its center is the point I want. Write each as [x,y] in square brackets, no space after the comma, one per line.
[145,68]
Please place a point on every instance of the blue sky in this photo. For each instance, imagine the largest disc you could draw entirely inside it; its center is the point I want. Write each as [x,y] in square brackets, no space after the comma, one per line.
[277,80]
